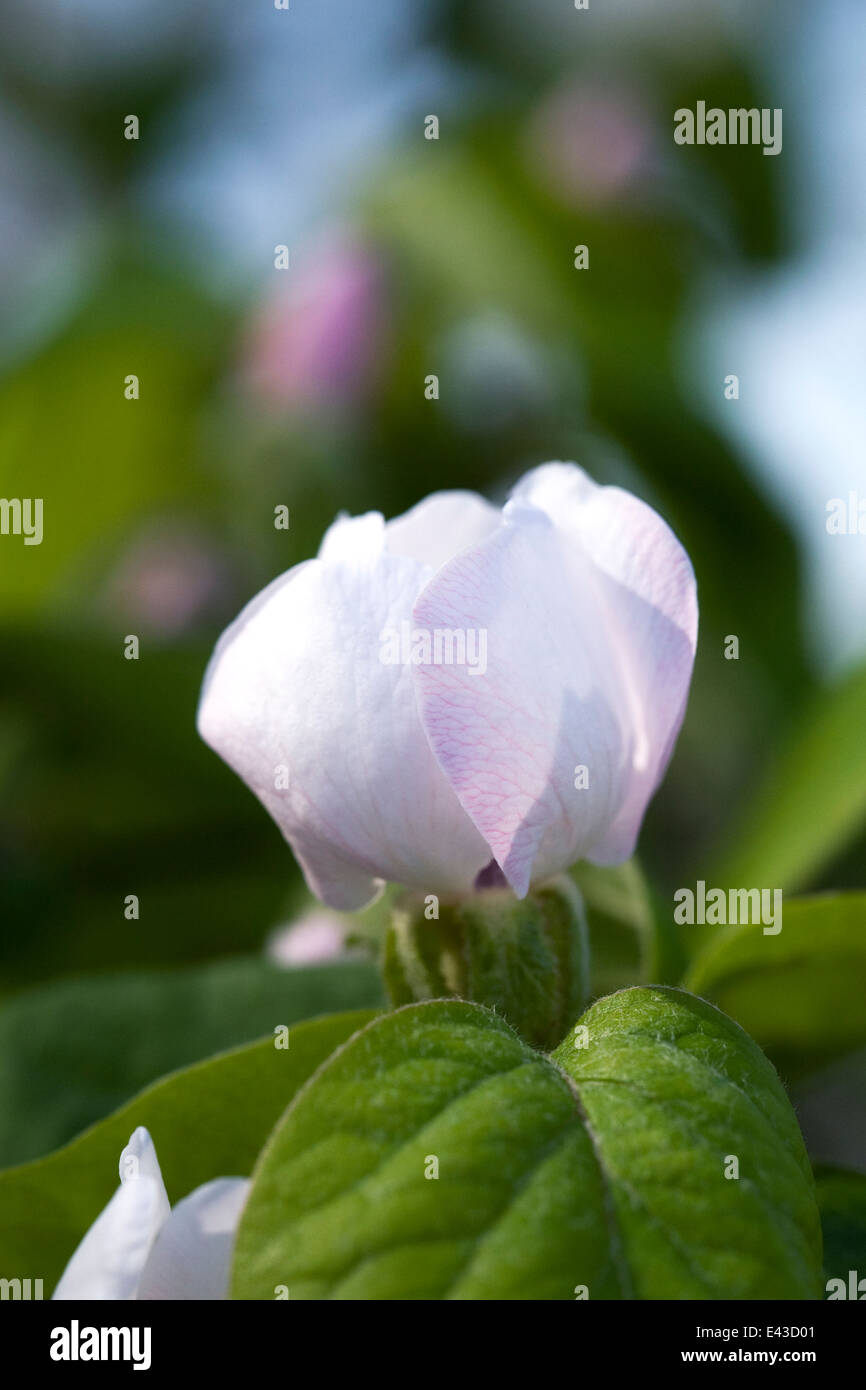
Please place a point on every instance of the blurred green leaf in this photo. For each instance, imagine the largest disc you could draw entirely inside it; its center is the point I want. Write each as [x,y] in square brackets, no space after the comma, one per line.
[842,1203]
[813,800]
[799,993]
[831,1106]
[627,942]
[108,790]
[206,1122]
[98,460]
[71,1052]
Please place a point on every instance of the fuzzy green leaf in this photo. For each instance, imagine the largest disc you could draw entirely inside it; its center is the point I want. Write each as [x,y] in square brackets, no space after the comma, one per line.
[437,1156]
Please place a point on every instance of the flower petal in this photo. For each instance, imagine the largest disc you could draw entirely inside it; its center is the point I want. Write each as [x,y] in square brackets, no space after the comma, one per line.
[441,526]
[191,1258]
[588,603]
[648,584]
[352,538]
[297,691]
[109,1261]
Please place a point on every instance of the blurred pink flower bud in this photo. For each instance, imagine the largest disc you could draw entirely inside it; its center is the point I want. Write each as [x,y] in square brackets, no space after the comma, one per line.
[169,578]
[314,938]
[318,342]
[589,143]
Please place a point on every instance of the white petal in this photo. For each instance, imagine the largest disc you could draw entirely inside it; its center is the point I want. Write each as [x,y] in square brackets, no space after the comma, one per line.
[110,1259]
[588,603]
[139,1160]
[441,526]
[192,1255]
[647,587]
[353,537]
[298,683]
[553,486]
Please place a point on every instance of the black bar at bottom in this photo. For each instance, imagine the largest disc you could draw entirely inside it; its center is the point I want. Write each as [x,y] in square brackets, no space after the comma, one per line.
[243,1339]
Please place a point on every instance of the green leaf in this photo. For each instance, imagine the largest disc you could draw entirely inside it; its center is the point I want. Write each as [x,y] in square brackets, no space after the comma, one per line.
[814,799]
[601,1167]
[206,1122]
[74,1051]
[798,993]
[842,1202]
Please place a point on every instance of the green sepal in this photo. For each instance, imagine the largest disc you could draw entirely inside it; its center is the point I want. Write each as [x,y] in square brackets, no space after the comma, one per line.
[528,960]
